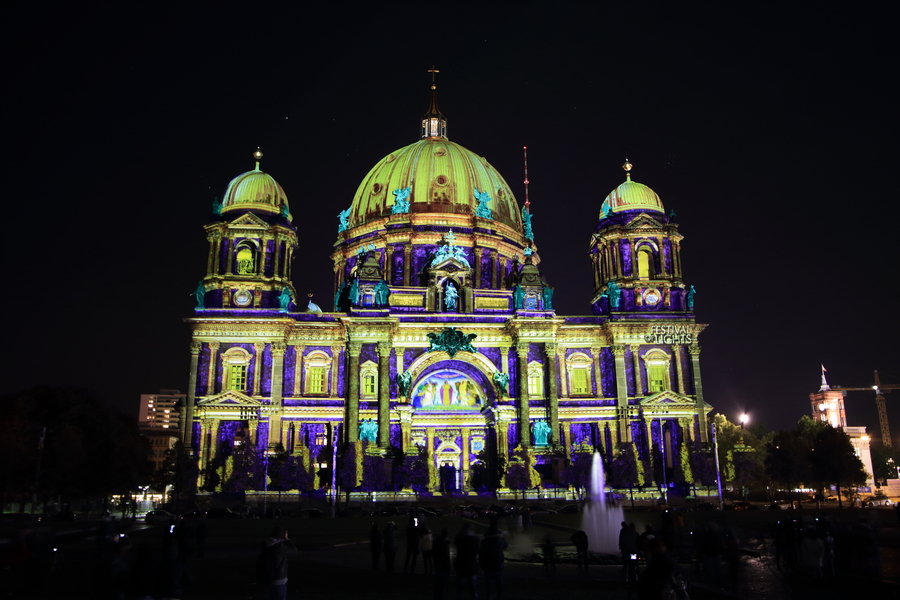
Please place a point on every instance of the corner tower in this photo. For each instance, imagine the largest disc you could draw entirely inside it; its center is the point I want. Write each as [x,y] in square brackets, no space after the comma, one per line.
[251,244]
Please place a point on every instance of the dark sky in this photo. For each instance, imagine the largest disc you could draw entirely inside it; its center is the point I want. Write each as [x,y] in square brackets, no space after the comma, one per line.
[770,131]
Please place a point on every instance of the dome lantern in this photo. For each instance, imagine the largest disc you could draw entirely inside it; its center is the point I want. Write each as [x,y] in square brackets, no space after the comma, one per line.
[434,124]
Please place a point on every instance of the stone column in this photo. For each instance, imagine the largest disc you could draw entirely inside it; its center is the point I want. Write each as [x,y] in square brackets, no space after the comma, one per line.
[495,268]
[464,467]
[694,351]
[567,439]
[432,468]
[621,393]
[186,420]
[261,267]
[257,366]
[298,369]
[277,260]
[677,352]
[636,363]
[550,351]
[598,373]
[650,461]
[229,260]
[524,413]
[563,373]
[407,258]
[352,433]
[384,394]
[335,354]
[276,403]
[389,264]
[211,370]
[405,411]
[477,282]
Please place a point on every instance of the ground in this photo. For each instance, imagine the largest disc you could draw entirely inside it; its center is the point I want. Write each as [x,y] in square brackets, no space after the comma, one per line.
[334,562]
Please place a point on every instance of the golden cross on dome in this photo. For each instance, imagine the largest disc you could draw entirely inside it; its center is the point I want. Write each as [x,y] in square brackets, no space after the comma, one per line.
[432,70]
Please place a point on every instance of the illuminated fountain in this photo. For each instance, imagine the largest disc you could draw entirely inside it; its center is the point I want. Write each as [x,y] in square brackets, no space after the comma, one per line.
[600,520]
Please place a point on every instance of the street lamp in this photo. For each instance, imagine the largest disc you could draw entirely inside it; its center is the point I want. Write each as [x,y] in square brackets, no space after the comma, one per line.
[744,419]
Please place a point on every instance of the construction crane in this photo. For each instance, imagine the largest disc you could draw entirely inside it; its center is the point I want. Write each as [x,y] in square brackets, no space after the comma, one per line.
[879,402]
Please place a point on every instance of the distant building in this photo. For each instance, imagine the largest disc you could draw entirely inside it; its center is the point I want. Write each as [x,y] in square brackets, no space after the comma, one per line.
[159,411]
[828,407]
[158,422]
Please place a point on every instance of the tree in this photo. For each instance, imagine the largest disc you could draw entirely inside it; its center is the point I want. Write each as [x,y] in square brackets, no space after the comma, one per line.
[521,474]
[885,462]
[788,458]
[578,472]
[624,471]
[834,460]
[351,467]
[374,477]
[179,470]
[412,471]
[247,469]
[702,467]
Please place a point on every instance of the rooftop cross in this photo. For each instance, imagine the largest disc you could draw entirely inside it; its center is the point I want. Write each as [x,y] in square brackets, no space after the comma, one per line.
[432,70]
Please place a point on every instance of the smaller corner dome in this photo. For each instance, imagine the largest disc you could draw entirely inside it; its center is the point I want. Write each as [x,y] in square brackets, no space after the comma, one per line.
[632,195]
[254,190]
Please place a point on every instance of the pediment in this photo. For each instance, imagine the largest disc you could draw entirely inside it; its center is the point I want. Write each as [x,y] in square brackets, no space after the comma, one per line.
[230,398]
[667,398]
[450,265]
[643,221]
[248,219]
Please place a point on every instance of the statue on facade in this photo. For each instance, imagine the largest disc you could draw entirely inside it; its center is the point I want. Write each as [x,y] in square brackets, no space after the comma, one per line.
[690,298]
[284,299]
[401,201]
[526,222]
[518,297]
[540,433]
[344,216]
[482,209]
[451,340]
[605,209]
[354,292]
[548,297]
[404,383]
[502,382]
[450,296]
[200,295]
[217,206]
[368,431]
[613,294]
[285,211]
[382,292]
[337,296]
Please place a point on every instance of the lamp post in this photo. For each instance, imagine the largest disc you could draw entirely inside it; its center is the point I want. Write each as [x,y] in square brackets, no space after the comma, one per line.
[744,419]
[716,458]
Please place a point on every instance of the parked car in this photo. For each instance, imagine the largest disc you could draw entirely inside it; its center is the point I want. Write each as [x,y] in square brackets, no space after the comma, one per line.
[309,513]
[386,511]
[430,512]
[160,517]
[350,511]
[569,509]
[194,513]
[469,512]
[704,506]
[537,509]
[739,505]
[222,513]
[878,500]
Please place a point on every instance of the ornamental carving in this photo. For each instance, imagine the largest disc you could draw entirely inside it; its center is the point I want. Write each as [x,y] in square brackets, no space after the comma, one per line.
[451,340]
[618,350]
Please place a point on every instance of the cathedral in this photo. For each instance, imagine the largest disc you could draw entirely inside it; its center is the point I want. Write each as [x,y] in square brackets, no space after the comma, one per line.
[442,338]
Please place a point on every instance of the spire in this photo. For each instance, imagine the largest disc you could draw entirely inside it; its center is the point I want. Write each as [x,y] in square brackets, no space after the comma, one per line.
[627,167]
[258,156]
[434,124]
[825,387]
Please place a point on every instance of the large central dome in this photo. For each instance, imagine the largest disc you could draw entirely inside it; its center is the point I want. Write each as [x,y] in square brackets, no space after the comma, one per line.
[443,178]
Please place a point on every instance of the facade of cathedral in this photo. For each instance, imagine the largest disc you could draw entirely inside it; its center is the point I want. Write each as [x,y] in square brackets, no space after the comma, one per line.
[443,334]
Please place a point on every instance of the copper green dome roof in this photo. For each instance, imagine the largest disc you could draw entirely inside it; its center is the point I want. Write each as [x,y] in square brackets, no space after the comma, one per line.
[631,195]
[254,190]
[443,178]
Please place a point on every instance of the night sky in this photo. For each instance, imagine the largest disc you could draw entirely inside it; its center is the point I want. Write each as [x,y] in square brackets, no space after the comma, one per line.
[771,133]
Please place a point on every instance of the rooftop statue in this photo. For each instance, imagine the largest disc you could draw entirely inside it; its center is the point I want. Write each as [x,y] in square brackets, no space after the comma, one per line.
[382,293]
[526,222]
[368,431]
[284,299]
[450,296]
[451,340]
[449,250]
[217,206]
[502,381]
[518,297]
[482,209]
[401,201]
[344,216]
[690,298]
[548,297]
[200,295]
[337,296]
[285,211]
[313,307]
[541,432]
[404,383]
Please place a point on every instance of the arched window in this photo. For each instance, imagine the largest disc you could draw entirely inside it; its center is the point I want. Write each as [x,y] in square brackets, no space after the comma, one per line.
[657,365]
[645,263]
[368,380]
[317,365]
[535,380]
[246,263]
[235,364]
[579,368]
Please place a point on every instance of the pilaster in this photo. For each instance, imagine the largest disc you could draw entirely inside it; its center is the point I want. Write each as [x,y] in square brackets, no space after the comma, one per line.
[384,394]
[257,366]
[694,351]
[211,370]
[551,350]
[524,412]
[352,433]
[186,422]
[636,365]
[621,393]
